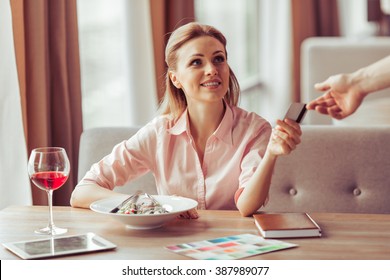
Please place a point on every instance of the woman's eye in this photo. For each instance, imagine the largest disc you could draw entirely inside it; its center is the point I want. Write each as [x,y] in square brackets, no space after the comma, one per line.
[196,62]
[219,59]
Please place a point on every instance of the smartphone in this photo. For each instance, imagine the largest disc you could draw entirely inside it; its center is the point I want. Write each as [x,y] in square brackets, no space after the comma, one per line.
[296,112]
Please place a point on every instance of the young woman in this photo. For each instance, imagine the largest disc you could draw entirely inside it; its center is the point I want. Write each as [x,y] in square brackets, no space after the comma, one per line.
[202,146]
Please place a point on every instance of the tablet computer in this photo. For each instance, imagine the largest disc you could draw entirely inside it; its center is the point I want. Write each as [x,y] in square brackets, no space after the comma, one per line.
[59,246]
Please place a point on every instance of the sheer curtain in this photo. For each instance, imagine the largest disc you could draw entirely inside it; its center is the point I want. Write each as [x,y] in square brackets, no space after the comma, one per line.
[14,182]
[140,66]
[117,63]
[275,57]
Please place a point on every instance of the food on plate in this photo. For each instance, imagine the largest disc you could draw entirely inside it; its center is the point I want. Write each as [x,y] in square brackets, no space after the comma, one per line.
[142,205]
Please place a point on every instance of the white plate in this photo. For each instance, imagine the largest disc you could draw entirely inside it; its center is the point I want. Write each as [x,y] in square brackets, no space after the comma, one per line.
[174,204]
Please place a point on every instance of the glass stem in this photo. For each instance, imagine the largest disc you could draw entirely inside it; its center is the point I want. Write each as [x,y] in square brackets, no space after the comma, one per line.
[50,202]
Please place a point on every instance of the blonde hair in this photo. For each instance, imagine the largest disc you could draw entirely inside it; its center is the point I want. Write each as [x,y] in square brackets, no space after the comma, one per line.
[174,101]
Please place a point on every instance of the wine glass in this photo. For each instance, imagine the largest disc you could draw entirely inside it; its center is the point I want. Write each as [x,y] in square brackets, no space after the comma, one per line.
[49,168]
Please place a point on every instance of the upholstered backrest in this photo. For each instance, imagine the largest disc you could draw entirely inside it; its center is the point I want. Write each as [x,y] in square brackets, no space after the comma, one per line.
[98,142]
[334,169]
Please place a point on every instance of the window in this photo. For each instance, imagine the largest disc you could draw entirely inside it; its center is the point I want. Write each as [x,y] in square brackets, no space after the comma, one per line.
[353,19]
[106,74]
[103,71]
[242,33]
[257,53]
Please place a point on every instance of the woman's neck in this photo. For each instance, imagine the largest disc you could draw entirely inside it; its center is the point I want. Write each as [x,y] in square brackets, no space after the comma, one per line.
[204,120]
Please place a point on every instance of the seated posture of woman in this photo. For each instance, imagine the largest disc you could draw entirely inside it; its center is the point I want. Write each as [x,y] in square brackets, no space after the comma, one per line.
[202,146]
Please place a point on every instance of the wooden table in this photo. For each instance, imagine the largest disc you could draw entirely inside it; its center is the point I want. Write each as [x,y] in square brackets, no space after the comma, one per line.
[345,236]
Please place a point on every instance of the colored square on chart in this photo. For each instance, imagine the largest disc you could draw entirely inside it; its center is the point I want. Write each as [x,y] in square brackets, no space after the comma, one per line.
[229,247]
[219,240]
[230,244]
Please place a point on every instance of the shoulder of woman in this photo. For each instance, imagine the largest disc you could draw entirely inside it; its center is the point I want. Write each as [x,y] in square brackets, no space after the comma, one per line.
[249,119]
[157,125]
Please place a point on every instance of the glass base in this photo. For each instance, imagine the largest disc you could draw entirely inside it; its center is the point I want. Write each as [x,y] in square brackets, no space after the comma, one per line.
[51,230]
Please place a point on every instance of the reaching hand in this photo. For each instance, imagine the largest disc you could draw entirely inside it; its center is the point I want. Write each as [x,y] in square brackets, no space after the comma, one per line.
[341,97]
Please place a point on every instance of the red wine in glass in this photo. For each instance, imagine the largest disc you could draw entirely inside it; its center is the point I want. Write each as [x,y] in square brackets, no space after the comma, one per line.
[48,169]
[49,180]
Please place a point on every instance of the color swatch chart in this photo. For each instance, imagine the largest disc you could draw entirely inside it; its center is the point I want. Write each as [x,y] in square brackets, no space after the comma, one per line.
[229,247]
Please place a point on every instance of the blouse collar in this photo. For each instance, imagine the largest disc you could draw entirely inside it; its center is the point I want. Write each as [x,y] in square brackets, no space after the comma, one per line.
[223,131]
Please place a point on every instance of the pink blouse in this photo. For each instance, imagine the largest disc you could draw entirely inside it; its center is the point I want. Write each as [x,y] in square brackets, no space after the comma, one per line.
[232,154]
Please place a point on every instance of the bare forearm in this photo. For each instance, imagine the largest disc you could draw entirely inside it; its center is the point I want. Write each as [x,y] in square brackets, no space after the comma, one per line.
[373,77]
[284,139]
[84,194]
[256,191]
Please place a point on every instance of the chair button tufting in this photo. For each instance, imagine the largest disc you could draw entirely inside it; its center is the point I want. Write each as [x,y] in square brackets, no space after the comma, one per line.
[293,191]
[357,191]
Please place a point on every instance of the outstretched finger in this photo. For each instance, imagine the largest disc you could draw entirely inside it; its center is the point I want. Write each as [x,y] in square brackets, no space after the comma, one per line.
[323,86]
[324,100]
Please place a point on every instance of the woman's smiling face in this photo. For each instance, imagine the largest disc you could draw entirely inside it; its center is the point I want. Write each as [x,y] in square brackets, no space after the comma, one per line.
[202,71]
